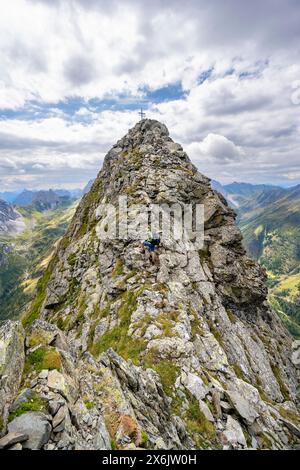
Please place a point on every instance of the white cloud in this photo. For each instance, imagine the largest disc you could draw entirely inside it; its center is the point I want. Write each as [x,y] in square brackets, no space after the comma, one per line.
[242,114]
[216,147]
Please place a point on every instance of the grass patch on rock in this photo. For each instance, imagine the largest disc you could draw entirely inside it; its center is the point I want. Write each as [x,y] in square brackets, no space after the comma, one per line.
[118,269]
[33,403]
[42,358]
[283,388]
[201,430]
[34,310]
[117,337]
[166,369]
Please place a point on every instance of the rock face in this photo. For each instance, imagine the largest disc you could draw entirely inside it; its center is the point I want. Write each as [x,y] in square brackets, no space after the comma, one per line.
[184,355]
[33,424]
[11,364]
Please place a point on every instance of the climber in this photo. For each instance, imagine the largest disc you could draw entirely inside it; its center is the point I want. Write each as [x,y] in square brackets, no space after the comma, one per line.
[152,244]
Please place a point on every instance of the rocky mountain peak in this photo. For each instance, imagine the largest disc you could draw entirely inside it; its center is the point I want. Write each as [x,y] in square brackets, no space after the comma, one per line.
[177,354]
[146,132]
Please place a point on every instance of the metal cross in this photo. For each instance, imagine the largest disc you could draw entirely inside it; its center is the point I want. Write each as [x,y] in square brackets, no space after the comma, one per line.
[142,114]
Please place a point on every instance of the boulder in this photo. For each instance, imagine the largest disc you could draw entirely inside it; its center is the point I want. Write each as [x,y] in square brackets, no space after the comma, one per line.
[210,353]
[234,433]
[60,416]
[12,438]
[194,385]
[296,354]
[34,424]
[206,411]
[245,399]
[54,406]
[56,382]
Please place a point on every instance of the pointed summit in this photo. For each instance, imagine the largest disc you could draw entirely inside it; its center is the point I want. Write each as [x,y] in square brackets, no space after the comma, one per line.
[149,134]
[184,355]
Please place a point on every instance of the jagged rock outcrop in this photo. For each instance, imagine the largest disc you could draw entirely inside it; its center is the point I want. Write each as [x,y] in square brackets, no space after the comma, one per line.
[121,353]
[12,358]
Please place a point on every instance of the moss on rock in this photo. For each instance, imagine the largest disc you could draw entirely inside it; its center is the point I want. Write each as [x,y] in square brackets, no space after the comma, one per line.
[42,358]
[33,403]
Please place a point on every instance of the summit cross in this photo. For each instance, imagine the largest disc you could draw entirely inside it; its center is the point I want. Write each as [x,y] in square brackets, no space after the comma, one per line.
[142,114]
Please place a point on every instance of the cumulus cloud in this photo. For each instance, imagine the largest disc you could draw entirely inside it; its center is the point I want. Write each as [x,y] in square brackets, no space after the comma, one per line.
[237,64]
[215,147]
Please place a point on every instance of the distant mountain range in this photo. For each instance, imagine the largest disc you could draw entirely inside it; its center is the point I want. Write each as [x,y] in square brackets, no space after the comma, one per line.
[45,199]
[239,194]
[9,196]
[27,197]
[269,217]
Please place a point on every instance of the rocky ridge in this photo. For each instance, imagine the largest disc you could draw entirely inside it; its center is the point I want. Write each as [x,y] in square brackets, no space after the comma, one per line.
[117,353]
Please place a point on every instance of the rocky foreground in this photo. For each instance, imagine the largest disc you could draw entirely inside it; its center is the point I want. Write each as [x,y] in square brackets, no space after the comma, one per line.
[115,353]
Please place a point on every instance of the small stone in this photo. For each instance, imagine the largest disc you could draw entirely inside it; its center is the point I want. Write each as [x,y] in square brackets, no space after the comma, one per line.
[226,406]
[59,417]
[54,406]
[50,447]
[194,384]
[87,419]
[17,446]
[60,427]
[216,403]
[12,438]
[56,381]
[254,443]
[34,383]
[291,426]
[43,374]
[130,446]
[234,433]
[206,411]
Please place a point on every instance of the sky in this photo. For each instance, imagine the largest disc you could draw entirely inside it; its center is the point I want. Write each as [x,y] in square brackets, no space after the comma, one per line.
[224,76]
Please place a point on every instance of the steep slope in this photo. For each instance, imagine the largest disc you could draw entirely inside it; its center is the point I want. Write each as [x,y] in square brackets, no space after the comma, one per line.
[87,186]
[25,198]
[125,354]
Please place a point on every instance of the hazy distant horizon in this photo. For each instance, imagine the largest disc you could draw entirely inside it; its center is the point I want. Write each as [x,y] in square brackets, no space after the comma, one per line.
[81,187]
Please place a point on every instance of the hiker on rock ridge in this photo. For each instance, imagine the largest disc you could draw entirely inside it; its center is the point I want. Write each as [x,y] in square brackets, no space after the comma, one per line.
[152,244]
